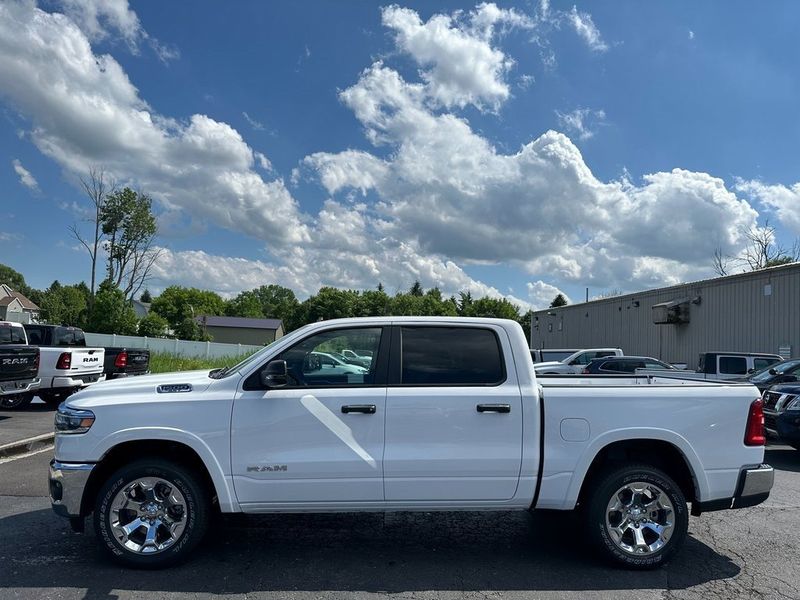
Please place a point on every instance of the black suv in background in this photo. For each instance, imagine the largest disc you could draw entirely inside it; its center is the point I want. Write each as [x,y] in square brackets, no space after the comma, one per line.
[787,371]
[624,365]
[782,413]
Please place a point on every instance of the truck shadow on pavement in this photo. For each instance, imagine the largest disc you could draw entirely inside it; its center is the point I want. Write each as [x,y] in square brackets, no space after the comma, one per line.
[783,458]
[394,553]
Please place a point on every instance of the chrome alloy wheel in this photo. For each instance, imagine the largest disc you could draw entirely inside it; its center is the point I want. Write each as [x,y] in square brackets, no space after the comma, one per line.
[640,518]
[148,515]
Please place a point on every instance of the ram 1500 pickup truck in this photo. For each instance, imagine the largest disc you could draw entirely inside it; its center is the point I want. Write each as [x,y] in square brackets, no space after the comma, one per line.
[65,365]
[449,416]
[19,367]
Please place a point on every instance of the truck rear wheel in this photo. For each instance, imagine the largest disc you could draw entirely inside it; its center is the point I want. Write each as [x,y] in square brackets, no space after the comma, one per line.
[151,514]
[15,401]
[637,516]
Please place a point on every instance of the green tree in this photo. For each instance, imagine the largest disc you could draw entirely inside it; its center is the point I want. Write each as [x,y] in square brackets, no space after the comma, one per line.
[498,308]
[416,289]
[373,303]
[190,329]
[246,304]
[153,325]
[112,313]
[65,304]
[130,228]
[559,300]
[14,280]
[177,303]
[146,297]
[278,302]
[330,303]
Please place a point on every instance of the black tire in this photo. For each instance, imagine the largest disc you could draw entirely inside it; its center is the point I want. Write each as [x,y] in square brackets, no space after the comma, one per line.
[55,398]
[605,490]
[15,401]
[195,513]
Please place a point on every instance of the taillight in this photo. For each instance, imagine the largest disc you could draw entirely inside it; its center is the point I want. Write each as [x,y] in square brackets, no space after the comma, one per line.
[36,362]
[121,360]
[754,432]
[64,361]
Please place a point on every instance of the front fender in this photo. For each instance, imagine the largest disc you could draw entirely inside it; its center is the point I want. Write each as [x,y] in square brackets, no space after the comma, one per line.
[222,483]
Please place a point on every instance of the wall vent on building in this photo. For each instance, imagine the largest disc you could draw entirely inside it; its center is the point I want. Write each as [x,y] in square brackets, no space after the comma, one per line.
[673,312]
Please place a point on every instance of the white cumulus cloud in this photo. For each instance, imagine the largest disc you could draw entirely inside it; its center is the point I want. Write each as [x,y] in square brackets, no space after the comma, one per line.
[783,200]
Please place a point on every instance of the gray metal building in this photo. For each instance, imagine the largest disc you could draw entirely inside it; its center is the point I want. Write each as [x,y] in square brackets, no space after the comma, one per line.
[747,312]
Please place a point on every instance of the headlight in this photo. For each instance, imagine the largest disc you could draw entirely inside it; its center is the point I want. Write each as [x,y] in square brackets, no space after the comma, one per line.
[73,420]
[792,402]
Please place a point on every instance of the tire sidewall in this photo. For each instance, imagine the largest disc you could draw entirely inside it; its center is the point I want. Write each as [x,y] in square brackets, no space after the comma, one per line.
[195,514]
[15,401]
[597,516]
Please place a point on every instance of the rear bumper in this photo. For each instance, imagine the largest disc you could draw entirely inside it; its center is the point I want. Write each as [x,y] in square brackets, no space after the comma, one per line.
[753,488]
[67,482]
[19,387]
[78,381]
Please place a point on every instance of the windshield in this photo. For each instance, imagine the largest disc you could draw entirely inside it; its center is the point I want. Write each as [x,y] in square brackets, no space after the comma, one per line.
[779,368]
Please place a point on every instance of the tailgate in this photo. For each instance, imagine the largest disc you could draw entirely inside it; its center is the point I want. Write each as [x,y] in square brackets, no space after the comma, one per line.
[86,360]
[138,360]
[18,362]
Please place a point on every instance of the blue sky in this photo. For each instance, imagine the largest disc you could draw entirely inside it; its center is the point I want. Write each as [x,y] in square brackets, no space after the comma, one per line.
[511,149]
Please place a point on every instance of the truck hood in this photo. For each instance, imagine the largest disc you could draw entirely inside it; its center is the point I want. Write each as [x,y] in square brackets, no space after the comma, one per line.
[142,386]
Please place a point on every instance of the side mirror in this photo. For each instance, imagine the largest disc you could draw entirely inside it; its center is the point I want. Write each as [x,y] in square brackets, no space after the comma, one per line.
[773,372]
[275,374]
[750,370]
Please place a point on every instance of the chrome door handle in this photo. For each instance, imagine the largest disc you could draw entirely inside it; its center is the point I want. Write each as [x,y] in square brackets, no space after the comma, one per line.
[497,408]
[367,409]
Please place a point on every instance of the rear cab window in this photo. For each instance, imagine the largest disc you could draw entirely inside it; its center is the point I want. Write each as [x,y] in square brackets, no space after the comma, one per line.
[450,356]
[9,334]
[733,365]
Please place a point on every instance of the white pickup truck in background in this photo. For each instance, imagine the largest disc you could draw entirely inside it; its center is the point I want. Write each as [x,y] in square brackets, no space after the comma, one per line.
[575,362]
[448,416]
[64,366]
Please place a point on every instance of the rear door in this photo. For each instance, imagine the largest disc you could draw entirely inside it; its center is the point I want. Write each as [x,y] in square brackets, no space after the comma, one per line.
[453,415]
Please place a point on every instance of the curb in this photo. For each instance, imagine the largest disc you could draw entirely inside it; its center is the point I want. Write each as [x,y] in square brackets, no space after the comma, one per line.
[27,445]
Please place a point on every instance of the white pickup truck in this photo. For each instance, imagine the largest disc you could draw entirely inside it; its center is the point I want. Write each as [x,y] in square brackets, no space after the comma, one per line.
[575,362]
[65,364]
[449,416]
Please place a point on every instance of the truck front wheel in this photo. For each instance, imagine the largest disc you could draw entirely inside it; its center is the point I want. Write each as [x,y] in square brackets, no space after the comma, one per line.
[151,514]
[638,516]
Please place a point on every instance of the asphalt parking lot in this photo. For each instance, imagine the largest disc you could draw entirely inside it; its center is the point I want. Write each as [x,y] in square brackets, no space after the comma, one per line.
[750,553]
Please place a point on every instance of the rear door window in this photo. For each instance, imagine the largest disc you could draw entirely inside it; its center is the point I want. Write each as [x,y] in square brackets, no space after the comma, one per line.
[732,365]
[454,356]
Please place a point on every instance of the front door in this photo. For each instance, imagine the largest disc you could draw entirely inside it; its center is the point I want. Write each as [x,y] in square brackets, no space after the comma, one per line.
[453,416]
[318,439]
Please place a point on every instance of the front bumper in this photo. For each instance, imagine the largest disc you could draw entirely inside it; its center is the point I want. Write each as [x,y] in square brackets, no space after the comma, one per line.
[753,488]
[67,483]
[19,387]
[78,381]
[784,425]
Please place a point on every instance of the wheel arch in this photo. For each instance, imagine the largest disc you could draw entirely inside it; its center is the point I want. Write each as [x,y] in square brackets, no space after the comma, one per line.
[673,455]
[182,452]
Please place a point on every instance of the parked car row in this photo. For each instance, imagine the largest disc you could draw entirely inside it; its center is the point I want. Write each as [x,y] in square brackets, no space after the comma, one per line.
[53,361]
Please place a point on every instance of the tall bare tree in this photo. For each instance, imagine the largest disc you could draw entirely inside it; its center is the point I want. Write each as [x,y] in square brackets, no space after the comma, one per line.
[97,186]
[761,251]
